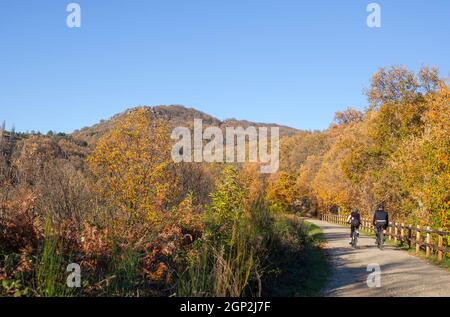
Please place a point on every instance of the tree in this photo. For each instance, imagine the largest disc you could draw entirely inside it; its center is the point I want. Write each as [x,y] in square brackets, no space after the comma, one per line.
[2,131]
[227,200]
[348,116]
[254,185]
[398,84]
[306,176]
[134,168]
[422,165]
[281,191]
[393,85]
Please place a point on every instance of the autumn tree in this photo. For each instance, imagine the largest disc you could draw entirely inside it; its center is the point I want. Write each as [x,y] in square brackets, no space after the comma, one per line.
[306,176]
[422,164]
[348,116]
[227,200]
[281,191]
[254,185]
[133,167]
[397,151]
[296,149]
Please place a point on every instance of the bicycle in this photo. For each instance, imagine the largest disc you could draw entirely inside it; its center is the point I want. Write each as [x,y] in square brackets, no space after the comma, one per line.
[354,239]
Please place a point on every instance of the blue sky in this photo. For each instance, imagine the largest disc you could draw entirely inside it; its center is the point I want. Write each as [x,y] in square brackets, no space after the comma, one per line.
[290,62]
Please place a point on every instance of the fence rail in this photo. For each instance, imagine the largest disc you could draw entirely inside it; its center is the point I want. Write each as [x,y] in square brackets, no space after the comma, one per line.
[421,238]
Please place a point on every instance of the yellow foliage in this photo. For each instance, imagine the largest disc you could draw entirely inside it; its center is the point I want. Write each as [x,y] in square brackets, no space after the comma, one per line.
[133,166]
[281,191]
[253,184]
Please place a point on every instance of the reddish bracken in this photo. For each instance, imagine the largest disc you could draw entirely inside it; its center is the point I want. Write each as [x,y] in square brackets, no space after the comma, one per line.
[95,247]
[20,227]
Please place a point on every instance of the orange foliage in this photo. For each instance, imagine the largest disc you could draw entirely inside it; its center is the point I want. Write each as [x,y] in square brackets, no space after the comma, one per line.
[134,168]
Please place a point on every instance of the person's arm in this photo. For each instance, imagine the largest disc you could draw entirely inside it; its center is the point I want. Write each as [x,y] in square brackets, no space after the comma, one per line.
[373,220]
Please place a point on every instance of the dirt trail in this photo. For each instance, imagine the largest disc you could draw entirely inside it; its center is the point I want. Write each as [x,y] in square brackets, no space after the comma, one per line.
[401,274]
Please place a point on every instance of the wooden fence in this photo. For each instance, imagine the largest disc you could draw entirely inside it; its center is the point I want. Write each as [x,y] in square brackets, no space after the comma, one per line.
[420,238]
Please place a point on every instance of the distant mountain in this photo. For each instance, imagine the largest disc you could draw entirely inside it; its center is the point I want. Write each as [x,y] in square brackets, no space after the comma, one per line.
[175,116]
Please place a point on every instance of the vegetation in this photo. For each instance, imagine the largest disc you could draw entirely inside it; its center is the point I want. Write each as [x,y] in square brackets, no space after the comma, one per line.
[301,266]
[111,199]
[397,151]
[137,223]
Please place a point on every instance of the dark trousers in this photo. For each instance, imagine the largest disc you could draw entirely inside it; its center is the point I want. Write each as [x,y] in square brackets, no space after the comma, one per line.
[379,227]
[352,229]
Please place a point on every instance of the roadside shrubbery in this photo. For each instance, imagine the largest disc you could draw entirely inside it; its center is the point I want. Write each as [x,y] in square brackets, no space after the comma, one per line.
[230,257]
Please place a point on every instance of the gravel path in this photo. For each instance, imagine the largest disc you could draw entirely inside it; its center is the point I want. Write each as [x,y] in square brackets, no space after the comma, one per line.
[401,274]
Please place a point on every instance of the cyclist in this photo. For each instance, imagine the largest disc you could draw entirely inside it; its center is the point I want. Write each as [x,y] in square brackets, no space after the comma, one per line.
[354,219]
[380,219]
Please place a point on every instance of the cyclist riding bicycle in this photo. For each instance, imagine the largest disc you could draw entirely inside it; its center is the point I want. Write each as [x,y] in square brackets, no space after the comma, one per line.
[354,219]
[380,219]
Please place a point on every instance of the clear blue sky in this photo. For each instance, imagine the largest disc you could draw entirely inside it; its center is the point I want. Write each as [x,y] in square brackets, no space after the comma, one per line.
[290,62]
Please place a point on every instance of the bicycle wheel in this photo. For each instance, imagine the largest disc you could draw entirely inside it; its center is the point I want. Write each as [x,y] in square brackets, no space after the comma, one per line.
[355,239]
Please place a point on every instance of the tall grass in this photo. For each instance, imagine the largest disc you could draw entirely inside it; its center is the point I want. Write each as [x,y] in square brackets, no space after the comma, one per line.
[50,273]
[125,268]
[233,267]
[217,269]
[229,262]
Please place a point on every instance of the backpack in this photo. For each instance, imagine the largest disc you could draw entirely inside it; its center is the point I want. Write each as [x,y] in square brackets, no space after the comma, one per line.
[355,219]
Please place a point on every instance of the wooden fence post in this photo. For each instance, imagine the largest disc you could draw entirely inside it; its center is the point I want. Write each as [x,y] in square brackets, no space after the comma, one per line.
[440,246]
[402,232]
[418,239]
[427,253]
[395,231]
[390,233]
[409,236]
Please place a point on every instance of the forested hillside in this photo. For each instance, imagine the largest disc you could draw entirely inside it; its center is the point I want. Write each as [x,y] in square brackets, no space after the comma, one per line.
[111,199]
[173,116]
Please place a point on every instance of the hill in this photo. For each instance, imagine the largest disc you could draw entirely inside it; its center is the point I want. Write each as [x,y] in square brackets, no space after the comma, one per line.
[175,116]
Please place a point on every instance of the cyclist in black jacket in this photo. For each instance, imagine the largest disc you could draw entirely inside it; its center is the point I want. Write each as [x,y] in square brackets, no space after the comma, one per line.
[354,219]
[380,219]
